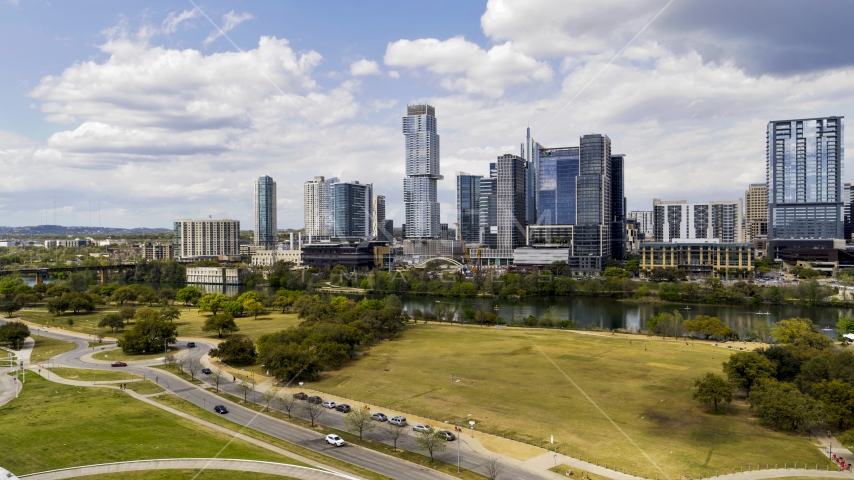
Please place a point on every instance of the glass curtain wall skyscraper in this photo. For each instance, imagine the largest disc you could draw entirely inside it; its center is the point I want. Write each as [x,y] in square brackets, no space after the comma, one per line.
[805,187]
[468,207]
[265,213]
[592,231]
[353,205]
[488,205]
[422,172]
[618,208]
[558,169]
[512,206]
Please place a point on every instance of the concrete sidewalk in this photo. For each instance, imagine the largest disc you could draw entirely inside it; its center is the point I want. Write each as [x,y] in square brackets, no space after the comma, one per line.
[830,441]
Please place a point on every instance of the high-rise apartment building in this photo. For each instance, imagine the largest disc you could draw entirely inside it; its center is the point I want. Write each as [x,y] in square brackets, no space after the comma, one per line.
[352,209]
[422,172]
[512,206]
[755,211]
[618,208]
[530,151]
[468,207]
[805,188]
[680,221]
[206,238]
[265,213]
[645,224]
[848,192]
[319,213]
[378,217]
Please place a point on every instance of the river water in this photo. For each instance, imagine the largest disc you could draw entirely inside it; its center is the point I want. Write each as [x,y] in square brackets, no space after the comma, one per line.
[605,313]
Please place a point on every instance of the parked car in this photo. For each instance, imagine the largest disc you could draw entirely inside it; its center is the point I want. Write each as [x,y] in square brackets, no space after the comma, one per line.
[398,420]
[118,364]
[449,436]
[191,344]
[380,417]
[334,440]
[207,371]
[314,399]
[300,396]
[420,427]
[342,407]
[220,409]
[329,404]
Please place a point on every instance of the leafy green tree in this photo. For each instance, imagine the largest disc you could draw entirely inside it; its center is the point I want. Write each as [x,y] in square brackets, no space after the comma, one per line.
[188,295]
[712,389]
[124,294]
[26,299]
[113,321]
[171,313]
[838,399]
[559,268]
[246,296]
[358,421]
[10,306]
[220,323]
[78,302]
[847,439]
[14,333]
[789,330]
[254,308]
[147,295]
[782,404]
[127,313]
[744,369]
[166,294]
[616,272]
[233,308]
[843,326]
[150,334]
[710,327]
[213,302]
[57,305]
[236,351]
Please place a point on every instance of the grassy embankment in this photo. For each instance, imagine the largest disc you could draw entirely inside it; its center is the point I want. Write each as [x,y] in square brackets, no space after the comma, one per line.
[185,475]
[189,325]
[57,426]
[93,375]
[508,384]
[46,347]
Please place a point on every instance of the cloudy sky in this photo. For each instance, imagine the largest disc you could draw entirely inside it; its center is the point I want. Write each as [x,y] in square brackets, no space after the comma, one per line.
[167,109]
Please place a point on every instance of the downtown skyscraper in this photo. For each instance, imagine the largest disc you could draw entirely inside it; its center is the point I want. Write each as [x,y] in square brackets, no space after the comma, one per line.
[422,172]
[318,198]
[805,184]
[265,213]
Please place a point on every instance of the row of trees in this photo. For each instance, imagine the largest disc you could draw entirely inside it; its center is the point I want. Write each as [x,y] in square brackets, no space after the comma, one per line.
[800,381]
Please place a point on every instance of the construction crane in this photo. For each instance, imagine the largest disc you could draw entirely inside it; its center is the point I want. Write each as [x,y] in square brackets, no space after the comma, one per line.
[467,265]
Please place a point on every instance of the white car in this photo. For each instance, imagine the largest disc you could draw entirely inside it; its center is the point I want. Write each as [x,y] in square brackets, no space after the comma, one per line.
[398,420]
[334,440]
[422,428]
[328,404]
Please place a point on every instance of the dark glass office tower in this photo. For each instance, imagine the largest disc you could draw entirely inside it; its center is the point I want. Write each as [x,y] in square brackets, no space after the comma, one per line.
[488,204]
[556,189]
[805,183]
[618,208]
[468,206]
[512,203]
[265,213]
[592,231]
[353,209]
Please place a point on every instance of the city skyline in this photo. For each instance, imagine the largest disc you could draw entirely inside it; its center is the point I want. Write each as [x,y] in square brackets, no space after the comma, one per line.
[179,149]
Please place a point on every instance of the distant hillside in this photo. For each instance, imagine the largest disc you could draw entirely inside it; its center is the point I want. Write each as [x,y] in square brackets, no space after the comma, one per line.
[75,231]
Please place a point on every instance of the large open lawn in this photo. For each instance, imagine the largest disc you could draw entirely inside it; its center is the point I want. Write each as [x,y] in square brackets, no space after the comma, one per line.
[509,385]
[93,375]
[189,325]
[56,426]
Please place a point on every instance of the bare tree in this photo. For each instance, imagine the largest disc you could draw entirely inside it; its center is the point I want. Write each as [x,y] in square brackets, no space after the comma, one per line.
[193,365]
[267,398]
[359,421]
[314,411]
[432,441]
[169,360]
[244,389]
[218,377]
[285,402]
[493,466]
[392,431]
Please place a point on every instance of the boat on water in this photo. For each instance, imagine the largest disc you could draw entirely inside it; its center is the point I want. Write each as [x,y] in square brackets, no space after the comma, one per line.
[762,313]
[687,308]
[827,329]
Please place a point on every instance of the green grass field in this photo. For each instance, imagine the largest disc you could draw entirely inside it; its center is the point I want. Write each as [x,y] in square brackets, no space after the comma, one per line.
[189,325]
[185,475]
[56,426]
[509,385]
[46,347]
[87,375]
[116,354]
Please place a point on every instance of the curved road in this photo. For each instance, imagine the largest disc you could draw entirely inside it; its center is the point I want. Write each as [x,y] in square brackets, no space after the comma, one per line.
[362,457]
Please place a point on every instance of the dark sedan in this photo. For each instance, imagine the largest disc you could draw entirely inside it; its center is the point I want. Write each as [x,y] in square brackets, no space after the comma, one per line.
[343,408]
[220,409]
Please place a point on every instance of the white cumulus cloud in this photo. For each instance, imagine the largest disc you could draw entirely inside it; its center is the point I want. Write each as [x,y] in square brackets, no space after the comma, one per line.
[364,67]
[229,21]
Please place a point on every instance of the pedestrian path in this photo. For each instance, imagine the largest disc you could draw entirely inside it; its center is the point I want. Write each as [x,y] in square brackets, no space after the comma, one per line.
[254,466]
[831,445]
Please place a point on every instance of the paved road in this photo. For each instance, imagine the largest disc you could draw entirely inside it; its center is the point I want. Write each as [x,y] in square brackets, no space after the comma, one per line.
[365,458]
